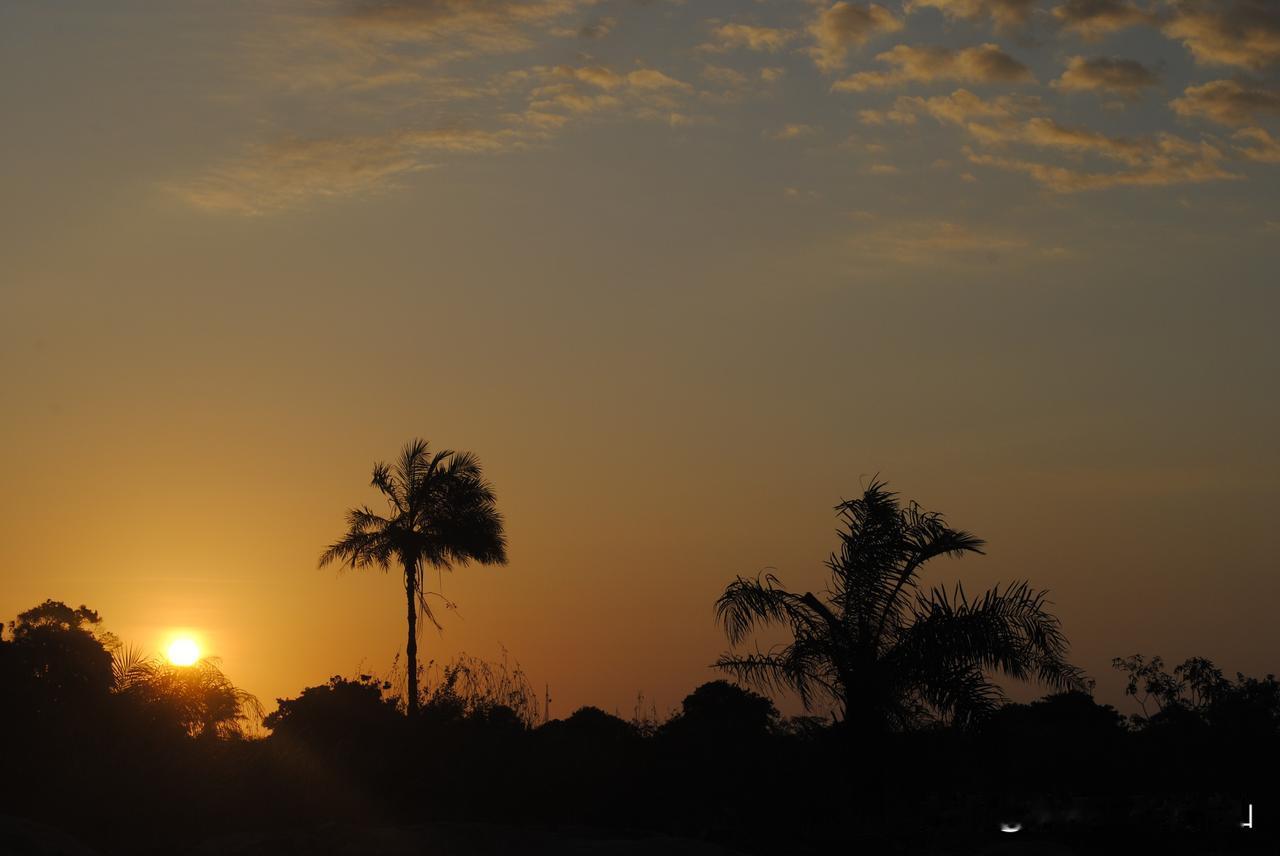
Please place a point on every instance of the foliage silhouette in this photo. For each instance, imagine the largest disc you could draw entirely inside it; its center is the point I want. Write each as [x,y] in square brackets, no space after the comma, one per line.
[441,512]
[885,654]
[471,687]
[83,745]
[199,699]
[721,712]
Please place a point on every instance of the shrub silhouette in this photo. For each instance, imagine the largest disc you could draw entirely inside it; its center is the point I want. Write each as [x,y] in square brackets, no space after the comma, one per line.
[719,712]
[334,713]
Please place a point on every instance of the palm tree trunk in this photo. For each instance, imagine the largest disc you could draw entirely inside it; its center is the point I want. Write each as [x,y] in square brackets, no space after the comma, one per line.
[411,646]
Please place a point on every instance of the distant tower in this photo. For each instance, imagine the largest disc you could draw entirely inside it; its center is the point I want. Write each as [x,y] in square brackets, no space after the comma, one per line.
[546,705]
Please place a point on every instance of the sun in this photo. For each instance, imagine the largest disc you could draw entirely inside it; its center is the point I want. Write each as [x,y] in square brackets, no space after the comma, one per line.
[183,652]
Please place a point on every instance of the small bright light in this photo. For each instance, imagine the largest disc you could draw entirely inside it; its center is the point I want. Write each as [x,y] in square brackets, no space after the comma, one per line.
[183,652]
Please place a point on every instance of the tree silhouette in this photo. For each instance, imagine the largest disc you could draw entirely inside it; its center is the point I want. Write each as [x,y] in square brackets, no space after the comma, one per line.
[441,512]
[884,653]
[198,700]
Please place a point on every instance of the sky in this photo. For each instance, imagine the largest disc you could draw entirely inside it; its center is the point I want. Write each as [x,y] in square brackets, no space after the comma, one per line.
[682,274]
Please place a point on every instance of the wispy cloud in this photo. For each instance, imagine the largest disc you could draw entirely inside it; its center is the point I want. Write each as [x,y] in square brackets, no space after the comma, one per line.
[295,173]
[938,243]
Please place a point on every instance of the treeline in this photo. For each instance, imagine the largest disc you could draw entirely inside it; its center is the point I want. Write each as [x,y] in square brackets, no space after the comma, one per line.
[143,758]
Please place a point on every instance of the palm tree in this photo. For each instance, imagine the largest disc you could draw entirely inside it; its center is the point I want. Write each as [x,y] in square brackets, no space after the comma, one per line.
[441,512]
[882,653]
[198,699]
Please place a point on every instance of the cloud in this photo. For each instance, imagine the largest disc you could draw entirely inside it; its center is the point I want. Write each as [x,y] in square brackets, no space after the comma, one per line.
[1000,124]
[365,45]
[893,115]
[578,91]
[651,79]
[793,131]
[293,173]
[936,242]
[1264,148]
[1092,19]
[962,107]
[1240,33]
[1151,162]
[1125,77]
[595,75]
[1005,13]
[723,76]
[846,25]
[727,37]
[1226,102]
[981,64]
[597,29]
[489,26]
[1048,133]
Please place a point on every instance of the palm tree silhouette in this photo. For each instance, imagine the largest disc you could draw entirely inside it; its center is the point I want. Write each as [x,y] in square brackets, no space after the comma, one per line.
[441,512]
[883,653]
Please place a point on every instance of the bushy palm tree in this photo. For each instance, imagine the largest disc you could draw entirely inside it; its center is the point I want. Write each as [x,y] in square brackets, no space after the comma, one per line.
[440,513]
[199,699]
[882,652]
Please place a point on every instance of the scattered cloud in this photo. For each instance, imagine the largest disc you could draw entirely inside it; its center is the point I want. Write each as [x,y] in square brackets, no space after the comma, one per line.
[1240,33]
[925,64]
[594,29]
[1160,161]
[651,78]
[723,76]
[727,37]
[1093,19]
[793,131]
[963,107]
[484,26]
[1126,77]
[845,25]
[387,68]
[1227,102]
[893,115]
[1262,147]
[644,93]
[998,125]
[1005,13]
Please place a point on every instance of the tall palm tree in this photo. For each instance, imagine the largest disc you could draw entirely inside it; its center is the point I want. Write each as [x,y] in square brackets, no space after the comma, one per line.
[440,513]
[883,653]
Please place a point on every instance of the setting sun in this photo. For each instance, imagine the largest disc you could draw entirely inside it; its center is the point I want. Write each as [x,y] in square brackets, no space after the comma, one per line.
[183,652]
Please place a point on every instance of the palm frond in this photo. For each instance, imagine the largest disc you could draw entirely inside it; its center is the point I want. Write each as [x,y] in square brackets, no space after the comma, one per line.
[130,666]
[750,604]
[782,670]
[1010,631]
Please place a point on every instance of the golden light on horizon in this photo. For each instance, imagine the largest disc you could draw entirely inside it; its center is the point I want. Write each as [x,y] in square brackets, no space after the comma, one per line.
[183,651]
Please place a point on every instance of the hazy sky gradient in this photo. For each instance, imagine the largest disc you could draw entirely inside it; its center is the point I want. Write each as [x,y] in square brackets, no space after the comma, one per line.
[681,274]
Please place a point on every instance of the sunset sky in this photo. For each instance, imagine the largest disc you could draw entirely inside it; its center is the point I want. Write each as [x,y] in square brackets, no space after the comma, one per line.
[681,274]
